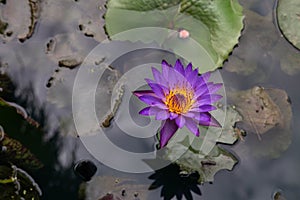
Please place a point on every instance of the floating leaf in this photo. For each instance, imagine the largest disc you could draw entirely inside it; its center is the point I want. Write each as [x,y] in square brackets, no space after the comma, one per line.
[201,153]
[15,183]
[206,165]
[215,25]
[288,19]
[268,114]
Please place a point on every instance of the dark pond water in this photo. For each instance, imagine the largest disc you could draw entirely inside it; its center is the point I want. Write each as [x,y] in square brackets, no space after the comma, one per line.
[45,91]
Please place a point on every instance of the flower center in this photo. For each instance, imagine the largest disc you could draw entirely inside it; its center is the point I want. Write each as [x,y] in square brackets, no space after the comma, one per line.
[179,100]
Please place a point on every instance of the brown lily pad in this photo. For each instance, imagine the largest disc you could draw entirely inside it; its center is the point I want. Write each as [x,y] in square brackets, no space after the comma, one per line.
[268,114]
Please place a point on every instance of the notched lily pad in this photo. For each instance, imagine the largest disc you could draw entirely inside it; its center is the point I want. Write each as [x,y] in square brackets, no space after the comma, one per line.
[268,114]
[215,25]
[202,154]
[111,188]
[288,16]
[15,183]
[206,165]
[21,17]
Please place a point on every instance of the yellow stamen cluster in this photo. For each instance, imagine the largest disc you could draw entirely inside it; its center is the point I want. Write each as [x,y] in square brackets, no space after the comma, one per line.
[179,100]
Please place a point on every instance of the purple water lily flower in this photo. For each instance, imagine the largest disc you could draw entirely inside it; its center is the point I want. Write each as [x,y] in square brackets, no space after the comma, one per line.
[180,97]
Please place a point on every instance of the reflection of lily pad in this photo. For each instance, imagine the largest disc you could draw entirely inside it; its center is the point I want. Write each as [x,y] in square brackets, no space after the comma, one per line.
[268,114]
[15,183]
[215,25]
[288,16]
[60,94]
[21,17]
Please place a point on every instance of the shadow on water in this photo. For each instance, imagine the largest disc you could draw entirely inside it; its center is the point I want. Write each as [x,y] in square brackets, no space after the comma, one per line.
[174,183]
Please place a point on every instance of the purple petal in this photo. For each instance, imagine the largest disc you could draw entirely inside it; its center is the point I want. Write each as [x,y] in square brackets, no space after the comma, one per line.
[158,77]
[158,90]
[151,100]
[180,121]
[150,111]
[206,119]
[145,111]
[200,91]
[173,115]
[165,69]
[144,92]
[162,115]
[209,99]
[179,67]
[203,108]
[168,129]
[206,76]
[214,87]
[189,69]
[192,126]
[189,114]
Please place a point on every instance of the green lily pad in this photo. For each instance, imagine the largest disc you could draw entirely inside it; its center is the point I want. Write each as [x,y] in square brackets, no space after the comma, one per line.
[206,165]
[214,25]
[288,16]
[201,153]
[15,183]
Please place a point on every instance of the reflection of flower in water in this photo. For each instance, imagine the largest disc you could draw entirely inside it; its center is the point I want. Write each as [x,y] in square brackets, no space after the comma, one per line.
[178,97]
[174,183]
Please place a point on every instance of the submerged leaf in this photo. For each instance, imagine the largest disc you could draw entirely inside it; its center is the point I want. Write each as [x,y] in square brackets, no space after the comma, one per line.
[112,188]
[268,114]
[15,183]
[215,25]
[14,152]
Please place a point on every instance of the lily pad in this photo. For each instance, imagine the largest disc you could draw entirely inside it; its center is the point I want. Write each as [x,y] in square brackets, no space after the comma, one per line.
[214,25]
[15,183]
[288,16]
[202,154]
[206,165]
[267,113]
